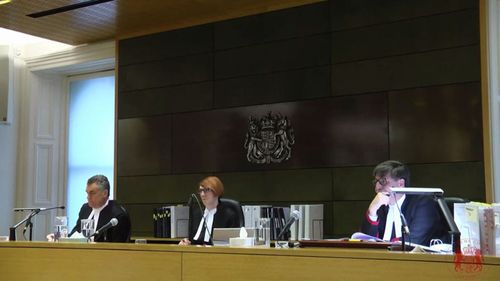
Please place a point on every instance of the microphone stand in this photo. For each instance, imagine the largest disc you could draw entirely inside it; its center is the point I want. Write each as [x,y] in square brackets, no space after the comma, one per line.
[203,218]
[454,232]
[29,223]
[404,226]
[403,245]
[27,219]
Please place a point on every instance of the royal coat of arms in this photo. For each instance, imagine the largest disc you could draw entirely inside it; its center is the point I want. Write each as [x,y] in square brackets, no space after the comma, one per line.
[269,140]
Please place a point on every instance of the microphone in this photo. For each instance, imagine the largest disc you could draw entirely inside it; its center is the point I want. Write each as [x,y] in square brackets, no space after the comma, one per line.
[37,209]
[112,223]
[202,217]
[404,224]
[294,216]
[190,200]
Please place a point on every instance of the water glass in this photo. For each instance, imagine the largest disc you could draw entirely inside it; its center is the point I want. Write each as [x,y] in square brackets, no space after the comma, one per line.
[263,232]
[61,227]
[60,231]
[87,226]
[141,241]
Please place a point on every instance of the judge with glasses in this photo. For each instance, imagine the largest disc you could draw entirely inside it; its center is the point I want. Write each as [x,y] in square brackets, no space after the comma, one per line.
[383,218]
[212,215]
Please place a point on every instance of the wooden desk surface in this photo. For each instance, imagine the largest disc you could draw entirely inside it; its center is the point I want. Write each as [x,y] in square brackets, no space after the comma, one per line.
[108,261]
[156,240]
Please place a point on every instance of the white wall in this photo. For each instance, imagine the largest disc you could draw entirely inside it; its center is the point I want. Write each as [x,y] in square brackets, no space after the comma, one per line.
[21,46]
[8,151]
[10,137]
[32,146]
[42,161]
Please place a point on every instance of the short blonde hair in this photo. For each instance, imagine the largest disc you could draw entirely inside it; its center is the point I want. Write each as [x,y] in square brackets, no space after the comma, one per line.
[214,183]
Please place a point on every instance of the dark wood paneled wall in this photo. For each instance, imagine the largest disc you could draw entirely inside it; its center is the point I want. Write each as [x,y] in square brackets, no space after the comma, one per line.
[360,81]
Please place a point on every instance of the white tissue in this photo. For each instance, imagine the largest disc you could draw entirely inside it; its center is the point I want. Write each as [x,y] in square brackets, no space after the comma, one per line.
[242,241]
[243,232]
[77,235]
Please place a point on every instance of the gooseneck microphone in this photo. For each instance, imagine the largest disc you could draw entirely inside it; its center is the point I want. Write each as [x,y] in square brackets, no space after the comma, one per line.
[190,200]
[112,223]
[404,224]
[202,217]
[36,209]
[294,216]
[29,224]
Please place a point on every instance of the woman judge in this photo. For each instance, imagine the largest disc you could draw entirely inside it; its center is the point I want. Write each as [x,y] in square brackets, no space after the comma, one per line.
[215,215]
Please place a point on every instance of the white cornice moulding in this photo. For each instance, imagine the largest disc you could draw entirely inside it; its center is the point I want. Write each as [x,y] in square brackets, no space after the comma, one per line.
[100,55]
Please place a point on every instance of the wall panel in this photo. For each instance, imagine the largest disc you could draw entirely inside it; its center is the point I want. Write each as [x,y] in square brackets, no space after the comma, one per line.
[347,217]
[273,87]
[285,24]
[353,183]
[347,14]
[43,166]
[161,73]
[360,81]
[332,132]
[158,189]
[158,101]
[276,56]
[436,124]
[463,179]
[403,37]
[165,45]
[141,218]
[416,70]
[144,146]
[280,187]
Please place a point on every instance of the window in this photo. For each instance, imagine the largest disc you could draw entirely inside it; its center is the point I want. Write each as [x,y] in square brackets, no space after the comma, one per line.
[91,136]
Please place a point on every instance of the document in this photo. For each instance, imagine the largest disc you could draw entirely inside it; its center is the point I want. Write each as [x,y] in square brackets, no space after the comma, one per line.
[365,237]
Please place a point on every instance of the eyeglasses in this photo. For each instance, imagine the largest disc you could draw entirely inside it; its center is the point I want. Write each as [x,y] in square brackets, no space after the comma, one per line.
[203,189]
[382,181]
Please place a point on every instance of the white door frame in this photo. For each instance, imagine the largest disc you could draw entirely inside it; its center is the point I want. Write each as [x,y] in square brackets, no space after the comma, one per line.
[42,154]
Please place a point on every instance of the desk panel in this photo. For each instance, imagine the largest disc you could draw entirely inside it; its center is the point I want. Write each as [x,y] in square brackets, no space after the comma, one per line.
[108,261]
[360,266]
[54,263]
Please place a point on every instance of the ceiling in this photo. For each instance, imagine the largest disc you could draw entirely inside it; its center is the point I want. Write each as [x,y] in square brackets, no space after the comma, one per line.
[118,19]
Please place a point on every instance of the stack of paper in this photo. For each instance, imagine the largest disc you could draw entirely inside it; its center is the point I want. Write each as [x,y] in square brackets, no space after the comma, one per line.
[476,222]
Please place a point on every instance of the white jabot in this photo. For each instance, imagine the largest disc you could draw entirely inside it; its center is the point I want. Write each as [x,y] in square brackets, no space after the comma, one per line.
[95,214]
[208,216]
[393,218]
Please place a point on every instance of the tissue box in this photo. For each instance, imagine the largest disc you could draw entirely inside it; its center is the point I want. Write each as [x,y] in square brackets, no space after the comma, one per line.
[241,242]
[73,240]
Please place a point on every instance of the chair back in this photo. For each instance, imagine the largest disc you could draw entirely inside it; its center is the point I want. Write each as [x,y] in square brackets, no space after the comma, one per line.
[450,202]
[236,207]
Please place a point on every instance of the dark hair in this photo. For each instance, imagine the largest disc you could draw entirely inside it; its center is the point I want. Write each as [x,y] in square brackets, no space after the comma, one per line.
[394,169]
[101,181]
